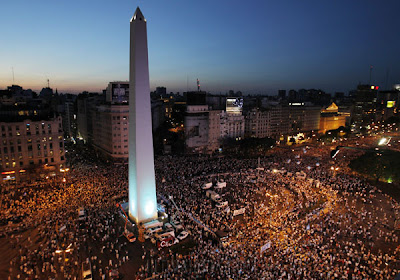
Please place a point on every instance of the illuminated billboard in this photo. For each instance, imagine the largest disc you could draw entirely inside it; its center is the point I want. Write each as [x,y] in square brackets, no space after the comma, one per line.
[234,105]
[120,92]
[390,104]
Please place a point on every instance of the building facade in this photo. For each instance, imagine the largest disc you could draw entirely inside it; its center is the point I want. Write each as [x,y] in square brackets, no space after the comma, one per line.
[331,119]
[111,131]
[29,145]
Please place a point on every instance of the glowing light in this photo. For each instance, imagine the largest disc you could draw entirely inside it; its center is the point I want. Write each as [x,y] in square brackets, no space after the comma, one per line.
[149,208]
[390,104]
[382,142]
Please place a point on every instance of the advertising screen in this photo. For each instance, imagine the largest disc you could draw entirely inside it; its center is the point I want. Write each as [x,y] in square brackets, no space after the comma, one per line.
[234,105]
[120,93]
[390,104]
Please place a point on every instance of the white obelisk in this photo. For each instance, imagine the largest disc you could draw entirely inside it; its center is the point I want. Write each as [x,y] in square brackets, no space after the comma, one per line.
[142,184]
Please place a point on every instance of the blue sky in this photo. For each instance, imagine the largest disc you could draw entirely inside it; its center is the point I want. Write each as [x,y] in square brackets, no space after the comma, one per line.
[252,46]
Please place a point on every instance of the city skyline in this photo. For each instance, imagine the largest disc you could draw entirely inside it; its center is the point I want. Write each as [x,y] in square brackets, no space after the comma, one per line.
[257,48]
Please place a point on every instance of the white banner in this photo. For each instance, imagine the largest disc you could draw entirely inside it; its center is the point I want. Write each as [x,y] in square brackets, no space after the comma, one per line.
[266,246]
[239,212]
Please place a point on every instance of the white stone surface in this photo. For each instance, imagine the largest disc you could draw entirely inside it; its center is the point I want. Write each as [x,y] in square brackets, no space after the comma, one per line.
[142,186]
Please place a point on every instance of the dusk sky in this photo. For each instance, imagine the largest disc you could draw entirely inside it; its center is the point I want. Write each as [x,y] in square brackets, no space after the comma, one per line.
[252,46]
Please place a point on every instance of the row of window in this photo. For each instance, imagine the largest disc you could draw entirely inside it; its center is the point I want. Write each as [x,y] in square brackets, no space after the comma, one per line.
[30,154]
[28,127]
[115,146]
[120,118]
[11,149]
[31,162]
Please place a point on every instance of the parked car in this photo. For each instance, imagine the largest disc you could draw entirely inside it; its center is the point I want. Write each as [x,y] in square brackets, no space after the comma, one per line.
[168,226]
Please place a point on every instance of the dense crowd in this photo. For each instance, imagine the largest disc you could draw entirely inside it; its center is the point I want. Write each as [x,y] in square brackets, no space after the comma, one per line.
[306,216]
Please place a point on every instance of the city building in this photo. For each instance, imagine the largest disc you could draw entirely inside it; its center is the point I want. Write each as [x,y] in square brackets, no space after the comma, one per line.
[365,101]
[196,124]
[111,131]
[232,125]
[32,138]
[31,147]
[331,119]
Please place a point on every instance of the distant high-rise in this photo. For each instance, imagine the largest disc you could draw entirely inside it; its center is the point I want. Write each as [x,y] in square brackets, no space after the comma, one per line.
[142,185]
[282,93]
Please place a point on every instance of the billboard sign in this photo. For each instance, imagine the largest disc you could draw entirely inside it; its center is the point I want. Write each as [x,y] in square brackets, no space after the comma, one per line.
[120,92]
[234,105]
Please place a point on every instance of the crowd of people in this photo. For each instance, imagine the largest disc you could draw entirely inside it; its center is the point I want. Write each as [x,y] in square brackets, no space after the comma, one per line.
[306,216]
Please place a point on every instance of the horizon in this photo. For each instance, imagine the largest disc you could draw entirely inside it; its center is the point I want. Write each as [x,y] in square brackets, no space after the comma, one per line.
[84,46]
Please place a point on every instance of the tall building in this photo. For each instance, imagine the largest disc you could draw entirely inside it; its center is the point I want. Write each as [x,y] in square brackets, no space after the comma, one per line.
[111,131]
[232,125]
[196,124]
[32,140]
[365,101]
[331,118]
[267,122]
[86,104]
[142,184]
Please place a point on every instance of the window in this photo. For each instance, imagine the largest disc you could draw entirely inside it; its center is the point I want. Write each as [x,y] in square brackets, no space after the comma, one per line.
[61,144]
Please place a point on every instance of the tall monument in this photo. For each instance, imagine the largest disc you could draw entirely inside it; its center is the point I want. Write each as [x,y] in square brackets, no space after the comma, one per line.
[142,184]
